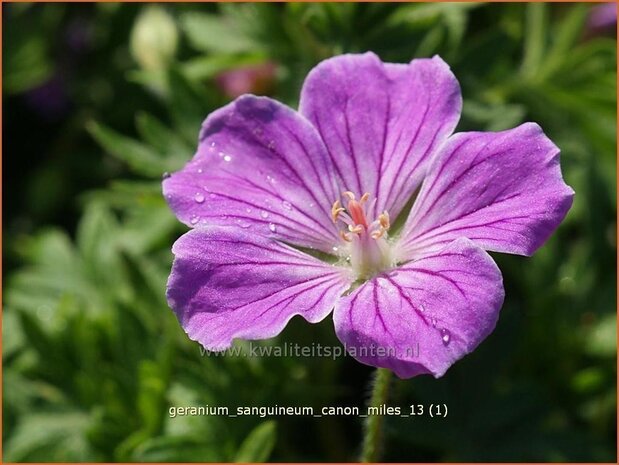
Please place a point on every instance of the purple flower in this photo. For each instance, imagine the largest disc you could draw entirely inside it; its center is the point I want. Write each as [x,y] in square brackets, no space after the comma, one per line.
[270,190]
[602,20]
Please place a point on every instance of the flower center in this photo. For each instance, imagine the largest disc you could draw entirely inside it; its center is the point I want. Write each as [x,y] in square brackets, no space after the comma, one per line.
[367,243]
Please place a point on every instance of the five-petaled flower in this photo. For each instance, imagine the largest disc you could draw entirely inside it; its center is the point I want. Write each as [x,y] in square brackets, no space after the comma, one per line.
[308,212]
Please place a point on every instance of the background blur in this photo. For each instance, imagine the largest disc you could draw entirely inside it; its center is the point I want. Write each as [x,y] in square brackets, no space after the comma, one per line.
[100,99]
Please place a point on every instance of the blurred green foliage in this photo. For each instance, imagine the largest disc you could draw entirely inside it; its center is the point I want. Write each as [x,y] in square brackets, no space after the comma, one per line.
[93,358]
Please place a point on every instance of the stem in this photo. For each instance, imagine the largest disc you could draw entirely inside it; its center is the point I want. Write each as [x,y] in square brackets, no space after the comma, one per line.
[373,438]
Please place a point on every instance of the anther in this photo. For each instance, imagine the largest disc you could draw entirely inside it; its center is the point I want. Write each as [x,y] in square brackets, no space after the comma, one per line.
[345,236]
[336,209]
[383,219]
[356,229]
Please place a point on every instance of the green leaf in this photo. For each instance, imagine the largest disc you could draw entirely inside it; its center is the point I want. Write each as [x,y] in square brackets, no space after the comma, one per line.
[535,39]
[98,241]
[188,106]
[423,14]
[162,138]
[27,65]
[177,449]
[602,338]
[138,156]
[12,334]
[214,33]
[258,445]
[565,37]
[51,437]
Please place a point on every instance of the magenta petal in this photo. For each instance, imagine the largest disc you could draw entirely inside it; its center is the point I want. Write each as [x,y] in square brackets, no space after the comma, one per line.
[381,122]
[227,283]
[422,317]
[502,190]
[260,166]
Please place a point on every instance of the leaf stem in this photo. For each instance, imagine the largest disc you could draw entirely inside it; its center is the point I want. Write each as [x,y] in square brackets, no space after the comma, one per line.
[373,437]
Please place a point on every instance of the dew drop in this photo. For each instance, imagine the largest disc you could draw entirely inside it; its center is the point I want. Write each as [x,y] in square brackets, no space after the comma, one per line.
[264,214]
[199,197]
[212,196]
[194,219]
[227,158]
[200,170]
[335,249]
[165,175]
[445,336]
[287,205]
[248,210]
[433,322]
[272,227]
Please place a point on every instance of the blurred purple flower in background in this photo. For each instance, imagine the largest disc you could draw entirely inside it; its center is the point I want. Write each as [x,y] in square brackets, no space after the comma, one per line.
[252,79]
[49,100]
[602,20]
[79,35]
[270,190]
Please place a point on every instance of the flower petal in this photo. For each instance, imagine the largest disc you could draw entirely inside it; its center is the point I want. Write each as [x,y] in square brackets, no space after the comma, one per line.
[502,190]
[259,166]
[227,283]
[381,122]
[422,317]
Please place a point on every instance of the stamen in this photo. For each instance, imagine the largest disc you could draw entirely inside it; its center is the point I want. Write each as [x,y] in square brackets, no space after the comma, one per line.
[357,229]
[346,237]
[383,218]
[369,250]
[336,209]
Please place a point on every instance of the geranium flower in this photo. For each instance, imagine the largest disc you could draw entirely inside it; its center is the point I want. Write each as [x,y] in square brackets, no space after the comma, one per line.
[293,214]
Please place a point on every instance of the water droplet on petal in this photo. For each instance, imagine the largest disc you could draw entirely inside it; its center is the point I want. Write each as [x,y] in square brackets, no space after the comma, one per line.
[287,205]
[248,210]
[199,197]
[212,196]
[264,214]
[433,322]
[445,336]
[165,175]
[194,219]
[200,170]
[272,227]
[227,158]
[335,249]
